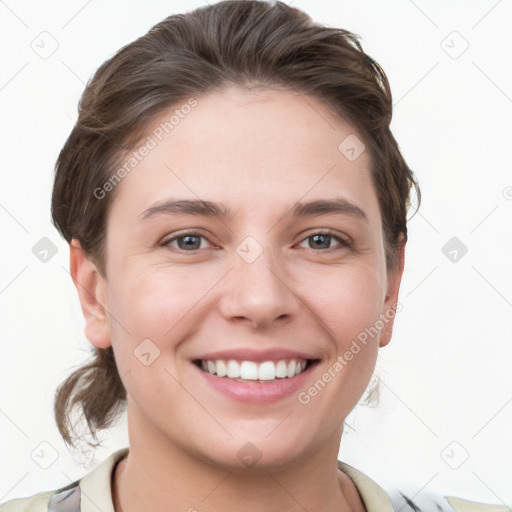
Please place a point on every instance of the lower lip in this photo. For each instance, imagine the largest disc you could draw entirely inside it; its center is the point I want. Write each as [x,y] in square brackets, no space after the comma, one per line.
[256,392]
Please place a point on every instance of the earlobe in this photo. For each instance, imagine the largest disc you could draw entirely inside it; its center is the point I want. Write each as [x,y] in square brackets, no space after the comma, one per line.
[91,288]
[391,301]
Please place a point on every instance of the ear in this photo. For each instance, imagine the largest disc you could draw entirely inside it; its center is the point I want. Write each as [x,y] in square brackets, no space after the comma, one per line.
[91,288]
[394,278]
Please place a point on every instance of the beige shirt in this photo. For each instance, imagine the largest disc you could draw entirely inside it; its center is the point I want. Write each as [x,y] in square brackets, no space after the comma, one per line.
[93,493]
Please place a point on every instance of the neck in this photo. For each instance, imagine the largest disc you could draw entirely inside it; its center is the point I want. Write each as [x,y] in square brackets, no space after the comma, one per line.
[163,478]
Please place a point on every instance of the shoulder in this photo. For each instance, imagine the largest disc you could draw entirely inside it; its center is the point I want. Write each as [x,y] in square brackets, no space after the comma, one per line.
[376,499]
[94,487]
[435,502]
[36,503]
[65,499]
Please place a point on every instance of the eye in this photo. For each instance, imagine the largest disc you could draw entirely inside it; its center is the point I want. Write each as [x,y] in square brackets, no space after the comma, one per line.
[187,242]
[322,239]
[190,242]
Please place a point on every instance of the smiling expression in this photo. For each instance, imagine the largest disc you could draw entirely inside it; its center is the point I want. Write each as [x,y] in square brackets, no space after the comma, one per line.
[246,241]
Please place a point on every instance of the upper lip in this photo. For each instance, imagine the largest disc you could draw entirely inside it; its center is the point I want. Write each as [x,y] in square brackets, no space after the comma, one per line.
[249,354]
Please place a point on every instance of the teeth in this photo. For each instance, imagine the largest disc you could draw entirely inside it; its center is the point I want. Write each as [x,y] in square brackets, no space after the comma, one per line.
[233,370]
[291,369]
[281,369]
[267,371]
[250,370]
[221,368]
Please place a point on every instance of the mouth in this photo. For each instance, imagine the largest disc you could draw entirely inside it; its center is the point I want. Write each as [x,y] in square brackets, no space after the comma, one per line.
[261,372]
[253,376]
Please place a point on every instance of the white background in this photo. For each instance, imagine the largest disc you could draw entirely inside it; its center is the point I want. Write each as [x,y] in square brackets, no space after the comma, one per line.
[447,374]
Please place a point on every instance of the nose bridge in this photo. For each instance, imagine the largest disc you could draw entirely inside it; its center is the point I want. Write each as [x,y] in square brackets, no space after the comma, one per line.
[257,267]
[257,287]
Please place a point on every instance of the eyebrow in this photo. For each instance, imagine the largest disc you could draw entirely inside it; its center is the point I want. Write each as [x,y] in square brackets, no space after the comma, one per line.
[203,208]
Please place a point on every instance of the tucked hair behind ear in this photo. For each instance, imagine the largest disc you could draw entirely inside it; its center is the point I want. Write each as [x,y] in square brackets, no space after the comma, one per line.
[246,43]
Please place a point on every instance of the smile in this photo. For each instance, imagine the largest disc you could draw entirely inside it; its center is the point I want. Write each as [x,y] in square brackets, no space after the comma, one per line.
[256,376]
[266,371]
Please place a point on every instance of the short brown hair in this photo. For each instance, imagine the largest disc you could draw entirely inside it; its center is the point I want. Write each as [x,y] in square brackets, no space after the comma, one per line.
[242,42]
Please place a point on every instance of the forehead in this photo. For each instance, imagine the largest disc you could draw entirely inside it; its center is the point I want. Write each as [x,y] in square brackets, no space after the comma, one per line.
[248,148]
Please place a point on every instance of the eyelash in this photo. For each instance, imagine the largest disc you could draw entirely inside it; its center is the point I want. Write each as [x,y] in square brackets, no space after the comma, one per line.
[344,243]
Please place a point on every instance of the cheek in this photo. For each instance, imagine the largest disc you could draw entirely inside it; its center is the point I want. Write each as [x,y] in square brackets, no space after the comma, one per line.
[151,303]
[149,322]
[153,311]
[348,302]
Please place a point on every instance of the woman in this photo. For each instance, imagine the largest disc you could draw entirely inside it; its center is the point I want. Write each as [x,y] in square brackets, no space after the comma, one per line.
[235,205]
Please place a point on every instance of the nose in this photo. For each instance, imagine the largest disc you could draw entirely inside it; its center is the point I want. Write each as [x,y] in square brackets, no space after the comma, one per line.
[259,292]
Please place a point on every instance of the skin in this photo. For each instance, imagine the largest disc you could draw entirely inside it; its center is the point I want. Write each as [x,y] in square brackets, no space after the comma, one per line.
[259,152]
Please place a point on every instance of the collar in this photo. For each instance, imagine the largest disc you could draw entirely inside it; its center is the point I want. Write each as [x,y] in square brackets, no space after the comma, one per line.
[374,498]
[95,487]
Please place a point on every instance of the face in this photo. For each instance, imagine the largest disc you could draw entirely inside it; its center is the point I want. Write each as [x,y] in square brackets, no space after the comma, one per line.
[278,290]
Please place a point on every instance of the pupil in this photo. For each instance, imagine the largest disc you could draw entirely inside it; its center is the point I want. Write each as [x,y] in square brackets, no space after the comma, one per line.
[317,237]
[188,238]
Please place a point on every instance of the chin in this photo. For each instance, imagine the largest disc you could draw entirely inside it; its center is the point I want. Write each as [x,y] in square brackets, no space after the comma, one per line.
[256,454]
